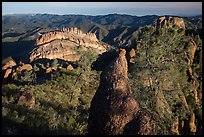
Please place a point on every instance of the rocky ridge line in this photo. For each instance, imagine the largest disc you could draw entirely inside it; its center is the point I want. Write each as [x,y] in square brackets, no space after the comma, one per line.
[61,44]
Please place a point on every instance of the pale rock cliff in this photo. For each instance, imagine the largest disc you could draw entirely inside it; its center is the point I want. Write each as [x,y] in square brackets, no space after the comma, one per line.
[61,44]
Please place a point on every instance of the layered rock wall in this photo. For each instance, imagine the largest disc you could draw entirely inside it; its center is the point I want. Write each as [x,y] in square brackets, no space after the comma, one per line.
[62,44]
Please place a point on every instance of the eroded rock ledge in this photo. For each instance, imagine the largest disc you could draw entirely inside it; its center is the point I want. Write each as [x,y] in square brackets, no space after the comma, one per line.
[62,44]
[113,111]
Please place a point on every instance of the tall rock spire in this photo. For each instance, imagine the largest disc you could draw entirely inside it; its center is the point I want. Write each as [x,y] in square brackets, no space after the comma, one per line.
[113,111]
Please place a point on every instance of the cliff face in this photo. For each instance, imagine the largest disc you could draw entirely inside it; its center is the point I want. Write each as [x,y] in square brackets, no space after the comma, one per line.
[113,111]
[66,33]
[62,44]
[170,22]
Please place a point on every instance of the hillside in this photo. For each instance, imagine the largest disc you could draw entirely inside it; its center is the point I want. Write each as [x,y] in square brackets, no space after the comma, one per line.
[109,74]
[19,31]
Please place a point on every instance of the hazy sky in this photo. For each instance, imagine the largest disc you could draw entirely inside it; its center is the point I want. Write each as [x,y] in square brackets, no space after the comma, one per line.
[101,8]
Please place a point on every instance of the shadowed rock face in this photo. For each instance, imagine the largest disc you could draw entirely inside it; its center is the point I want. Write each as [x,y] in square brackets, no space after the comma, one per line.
[113,111]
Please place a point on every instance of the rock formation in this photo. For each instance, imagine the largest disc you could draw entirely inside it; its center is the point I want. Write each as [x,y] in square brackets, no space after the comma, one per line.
[132,53]
[8,63]
[7,73]
[24,67]
[113,111]
[70,67]
[170,22]
[26,99]
[175,127]
[62,44]
[192,125]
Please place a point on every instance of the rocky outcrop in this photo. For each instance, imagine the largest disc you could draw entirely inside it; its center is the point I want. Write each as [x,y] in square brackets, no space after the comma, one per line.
[73,34]
[175,127]
[26,99]
[7,73]
[170,22]
[192,49]
[113,111]
[8,63]
[132,53]
[184,102]
[70,67]
[192,125]
[24,67]
[63,44]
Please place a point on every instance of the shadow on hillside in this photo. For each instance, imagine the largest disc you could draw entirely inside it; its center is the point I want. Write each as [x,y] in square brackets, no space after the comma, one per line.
[34,123]
[18,50]
[11,35]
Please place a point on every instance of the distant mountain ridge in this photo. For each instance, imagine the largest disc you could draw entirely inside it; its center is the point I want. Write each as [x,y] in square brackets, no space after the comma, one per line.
[114,29]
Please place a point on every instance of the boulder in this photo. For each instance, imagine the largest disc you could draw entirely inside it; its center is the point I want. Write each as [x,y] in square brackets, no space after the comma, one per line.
[26,99]
[48,70]
[70,67]
[132,61]
[132,53]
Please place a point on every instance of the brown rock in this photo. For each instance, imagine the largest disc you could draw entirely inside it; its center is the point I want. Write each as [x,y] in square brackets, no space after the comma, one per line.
[195,93]
[8,63]
[132,61]
[179,22]
[60,44]
[193,48]
[192,125]
[13,75]
[122,52]
[161,22]
[171,21]
[112,108]
[48,70]
[7,73]
[142,124]
[184,102]
[69,67]
[132,53]
[24,67]
[27,99]
[54,68]
[175,127]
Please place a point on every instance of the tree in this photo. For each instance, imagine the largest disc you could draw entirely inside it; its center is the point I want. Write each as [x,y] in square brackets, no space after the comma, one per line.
[54,63]
[35,68]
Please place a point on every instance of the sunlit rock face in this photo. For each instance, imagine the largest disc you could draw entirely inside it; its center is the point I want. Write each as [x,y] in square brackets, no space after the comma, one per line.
[62,44]
[170,22]
[113,111]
